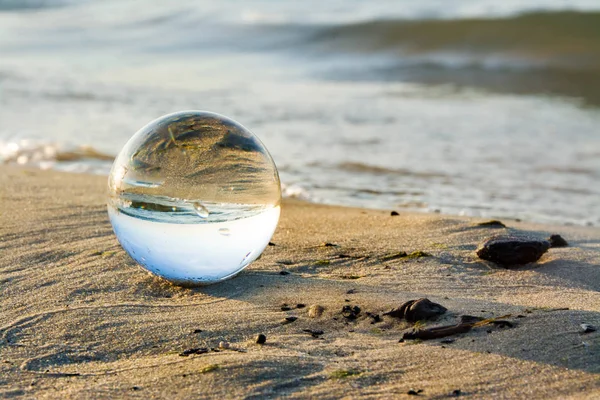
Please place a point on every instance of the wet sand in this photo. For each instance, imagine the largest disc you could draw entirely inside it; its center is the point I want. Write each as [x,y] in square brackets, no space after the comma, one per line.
[80,320]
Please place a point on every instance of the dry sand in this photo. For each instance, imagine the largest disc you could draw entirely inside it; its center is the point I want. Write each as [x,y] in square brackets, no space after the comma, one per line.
[78,318]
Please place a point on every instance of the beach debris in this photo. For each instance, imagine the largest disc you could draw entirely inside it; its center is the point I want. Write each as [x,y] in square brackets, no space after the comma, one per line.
[417,310]
[261,339]
[394,213]
[494,223]
[344,373]
[439,332]
[413,392]
[289,320]
[470,319]
[315,311]
[557,241]
[587,328]
[394,256]
[224,345]
[418,254]
[313,333]
[200,350]
[509,250]
[350,312]
[209,368]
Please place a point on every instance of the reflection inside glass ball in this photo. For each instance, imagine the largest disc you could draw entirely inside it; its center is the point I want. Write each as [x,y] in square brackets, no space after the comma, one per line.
[194,197]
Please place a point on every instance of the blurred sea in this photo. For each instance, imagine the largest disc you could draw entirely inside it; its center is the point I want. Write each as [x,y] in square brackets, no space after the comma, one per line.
[473,107]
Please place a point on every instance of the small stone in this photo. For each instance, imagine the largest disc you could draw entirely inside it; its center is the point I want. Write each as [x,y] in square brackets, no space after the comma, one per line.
[587,328]
[290,319]
[272,244]
[224,345]
[350,313]
[557,241]
[284,272]
[394,213]
[375,318]
[417,310]
[313,333]
[198,331]
[327,244]
[300,305]
[187,352]
[315,311]
[456,393]
[414,392]
[135,388]
[512,250]
[261,339]
[492,224]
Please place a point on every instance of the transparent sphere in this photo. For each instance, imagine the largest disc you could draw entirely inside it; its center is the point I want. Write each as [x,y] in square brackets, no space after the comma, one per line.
[194,197]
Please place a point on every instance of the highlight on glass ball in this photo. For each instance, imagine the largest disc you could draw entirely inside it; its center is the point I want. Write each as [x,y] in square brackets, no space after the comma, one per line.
[194,197]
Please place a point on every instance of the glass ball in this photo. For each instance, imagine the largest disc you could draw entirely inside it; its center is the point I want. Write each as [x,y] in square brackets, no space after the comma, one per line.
[194,197]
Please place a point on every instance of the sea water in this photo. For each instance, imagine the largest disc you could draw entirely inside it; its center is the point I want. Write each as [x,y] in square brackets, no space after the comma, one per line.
[392,104]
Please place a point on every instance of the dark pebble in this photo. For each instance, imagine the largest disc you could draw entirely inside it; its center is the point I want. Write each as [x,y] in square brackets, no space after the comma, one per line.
[456,393]
[272,244]
[557,241]
[413,392]
[351,291]
[261,339]
[512,250]
[135,388]
[314,333]
[417,310]
[492,224]
[290,319]
[350,313]
[587,328]
[198,331]
[375,318]
[300,305]
[284,272]
[188,352]
[394,213]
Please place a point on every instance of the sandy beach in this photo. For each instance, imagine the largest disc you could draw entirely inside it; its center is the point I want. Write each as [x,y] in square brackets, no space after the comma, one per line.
[79,319]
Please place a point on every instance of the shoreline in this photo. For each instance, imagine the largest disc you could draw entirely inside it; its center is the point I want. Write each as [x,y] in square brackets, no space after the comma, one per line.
[80,319]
